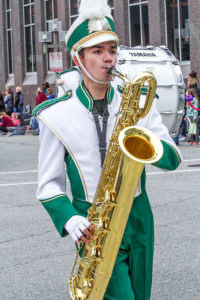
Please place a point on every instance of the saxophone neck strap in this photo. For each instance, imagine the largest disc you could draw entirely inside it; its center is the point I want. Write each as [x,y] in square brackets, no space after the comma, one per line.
[101,133]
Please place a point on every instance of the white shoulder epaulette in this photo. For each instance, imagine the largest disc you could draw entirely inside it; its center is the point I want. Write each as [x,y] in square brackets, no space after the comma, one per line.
[68,80]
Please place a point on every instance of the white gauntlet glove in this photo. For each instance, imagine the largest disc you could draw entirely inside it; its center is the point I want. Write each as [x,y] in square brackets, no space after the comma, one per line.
[76,225]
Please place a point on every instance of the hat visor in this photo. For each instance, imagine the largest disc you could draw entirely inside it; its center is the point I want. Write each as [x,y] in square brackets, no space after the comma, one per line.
[106,37]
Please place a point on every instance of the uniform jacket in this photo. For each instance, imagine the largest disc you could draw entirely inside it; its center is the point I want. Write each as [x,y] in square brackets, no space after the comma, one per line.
[68,134]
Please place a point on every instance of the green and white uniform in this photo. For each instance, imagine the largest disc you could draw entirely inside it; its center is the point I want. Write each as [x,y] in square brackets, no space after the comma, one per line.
[69,144]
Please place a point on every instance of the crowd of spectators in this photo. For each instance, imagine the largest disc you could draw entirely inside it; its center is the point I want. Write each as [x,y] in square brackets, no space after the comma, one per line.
[189,128]
[15,119]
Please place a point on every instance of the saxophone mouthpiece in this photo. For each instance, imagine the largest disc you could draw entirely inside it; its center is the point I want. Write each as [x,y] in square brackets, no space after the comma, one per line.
[111,69]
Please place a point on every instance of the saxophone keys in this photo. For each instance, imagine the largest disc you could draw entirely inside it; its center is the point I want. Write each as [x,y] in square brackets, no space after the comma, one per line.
[91,213]
[97,222]
[100,208]
[106,222]
[98,254]
[85,264]
[113,196]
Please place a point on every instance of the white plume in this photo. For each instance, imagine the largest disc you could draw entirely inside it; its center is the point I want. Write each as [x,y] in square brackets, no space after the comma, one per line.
[94,9]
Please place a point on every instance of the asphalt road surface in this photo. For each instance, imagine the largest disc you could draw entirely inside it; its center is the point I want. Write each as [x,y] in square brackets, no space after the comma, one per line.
[35,262]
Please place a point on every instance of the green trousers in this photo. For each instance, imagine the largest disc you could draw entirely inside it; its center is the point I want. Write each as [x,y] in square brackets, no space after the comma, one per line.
[132,274]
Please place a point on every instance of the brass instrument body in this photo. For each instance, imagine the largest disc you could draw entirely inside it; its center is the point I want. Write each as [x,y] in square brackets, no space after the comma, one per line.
[130,148]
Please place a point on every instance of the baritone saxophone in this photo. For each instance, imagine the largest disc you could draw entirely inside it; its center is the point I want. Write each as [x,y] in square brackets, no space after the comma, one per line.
[130,148]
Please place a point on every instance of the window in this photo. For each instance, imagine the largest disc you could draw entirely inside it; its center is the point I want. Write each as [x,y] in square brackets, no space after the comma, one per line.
[177,28]
[138,22]
[29,36]
[9,36]
[50,11]
[111,4]
[50,14]
[74,9]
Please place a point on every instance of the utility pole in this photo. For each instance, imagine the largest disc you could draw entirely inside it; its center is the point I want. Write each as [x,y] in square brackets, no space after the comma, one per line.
[52,39]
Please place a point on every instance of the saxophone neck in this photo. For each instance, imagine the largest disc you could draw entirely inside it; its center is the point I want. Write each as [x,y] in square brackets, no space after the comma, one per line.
[112,70]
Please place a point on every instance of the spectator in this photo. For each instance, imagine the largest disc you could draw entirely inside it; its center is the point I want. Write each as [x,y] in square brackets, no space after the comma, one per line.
[2,104]
[50,94]
[8,101]
[19,100]
[34,126]
[193,83]
[14,119]
[41,97]
[20,129]
[27,114]
[193,118]
[28,110]
[183,127]
[45,86]
[7,123]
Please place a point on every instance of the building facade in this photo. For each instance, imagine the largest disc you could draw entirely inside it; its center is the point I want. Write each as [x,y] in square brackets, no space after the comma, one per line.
[27,36]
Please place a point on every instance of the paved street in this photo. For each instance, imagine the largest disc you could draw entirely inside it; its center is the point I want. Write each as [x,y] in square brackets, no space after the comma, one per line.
[35,262]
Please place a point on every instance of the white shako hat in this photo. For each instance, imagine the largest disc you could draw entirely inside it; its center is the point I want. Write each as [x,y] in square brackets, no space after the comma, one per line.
[93,26]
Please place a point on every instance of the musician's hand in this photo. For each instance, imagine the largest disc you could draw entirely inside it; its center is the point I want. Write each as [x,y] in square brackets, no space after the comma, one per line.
[80,229]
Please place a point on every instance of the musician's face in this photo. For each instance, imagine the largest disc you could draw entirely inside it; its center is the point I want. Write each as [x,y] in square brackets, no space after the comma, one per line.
[98,58]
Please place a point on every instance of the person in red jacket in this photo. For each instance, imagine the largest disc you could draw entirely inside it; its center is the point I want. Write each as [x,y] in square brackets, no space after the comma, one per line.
[41,97]
[14,118]
[6,122]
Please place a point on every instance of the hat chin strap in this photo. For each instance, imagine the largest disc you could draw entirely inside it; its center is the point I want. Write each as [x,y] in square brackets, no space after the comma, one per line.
[86,72]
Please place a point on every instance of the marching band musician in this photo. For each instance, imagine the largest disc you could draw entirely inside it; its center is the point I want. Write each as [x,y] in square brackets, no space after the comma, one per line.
[75,129]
